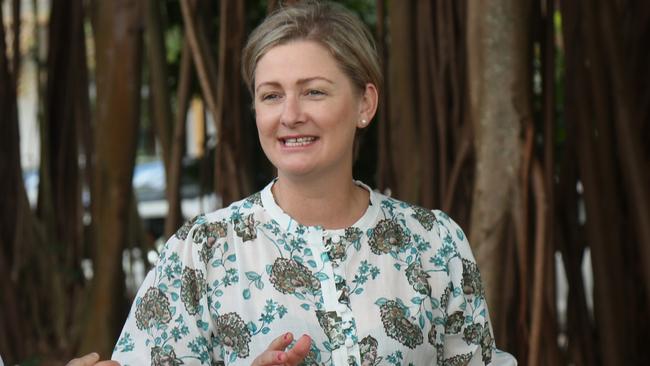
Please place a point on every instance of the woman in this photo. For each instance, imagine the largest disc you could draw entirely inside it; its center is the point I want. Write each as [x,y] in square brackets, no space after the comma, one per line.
[316,268]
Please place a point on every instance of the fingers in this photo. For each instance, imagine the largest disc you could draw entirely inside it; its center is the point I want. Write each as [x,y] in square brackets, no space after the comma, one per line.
[91,359]
[281,342]
[274,354]
[107,363]
[87,360]
[299,351]
[270,358]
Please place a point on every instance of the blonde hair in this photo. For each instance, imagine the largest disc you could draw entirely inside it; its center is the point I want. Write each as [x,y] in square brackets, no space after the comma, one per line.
[331,25]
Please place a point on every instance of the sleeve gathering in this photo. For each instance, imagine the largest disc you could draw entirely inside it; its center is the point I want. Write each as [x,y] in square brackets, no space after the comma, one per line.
[169,322]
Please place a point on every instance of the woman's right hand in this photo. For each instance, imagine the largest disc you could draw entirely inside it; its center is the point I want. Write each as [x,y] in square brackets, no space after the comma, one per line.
[91,359]
[275,354]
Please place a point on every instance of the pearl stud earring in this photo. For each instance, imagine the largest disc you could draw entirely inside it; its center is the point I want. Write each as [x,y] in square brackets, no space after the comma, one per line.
[364,123]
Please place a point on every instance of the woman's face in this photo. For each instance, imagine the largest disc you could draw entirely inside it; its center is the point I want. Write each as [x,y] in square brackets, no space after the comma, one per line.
[307,110]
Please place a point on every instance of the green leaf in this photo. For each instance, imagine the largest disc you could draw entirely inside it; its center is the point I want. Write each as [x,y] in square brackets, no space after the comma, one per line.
[429,315]
[217,263]
[252,327]
[252,276]
[202,325]
[381,301]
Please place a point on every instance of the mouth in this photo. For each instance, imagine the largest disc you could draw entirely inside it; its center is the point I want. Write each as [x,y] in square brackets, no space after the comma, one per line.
[298,141]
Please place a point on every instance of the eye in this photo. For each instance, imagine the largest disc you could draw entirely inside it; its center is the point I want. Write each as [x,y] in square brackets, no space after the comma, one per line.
[269,96]
[315,93]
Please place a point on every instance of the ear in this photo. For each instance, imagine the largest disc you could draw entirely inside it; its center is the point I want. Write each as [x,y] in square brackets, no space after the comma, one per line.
[368,105]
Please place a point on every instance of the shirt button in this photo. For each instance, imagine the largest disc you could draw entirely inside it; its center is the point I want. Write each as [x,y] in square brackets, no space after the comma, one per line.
[349,343]
[336,238]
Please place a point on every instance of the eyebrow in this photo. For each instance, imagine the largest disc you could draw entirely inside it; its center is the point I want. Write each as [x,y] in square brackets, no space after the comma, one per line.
[299,82]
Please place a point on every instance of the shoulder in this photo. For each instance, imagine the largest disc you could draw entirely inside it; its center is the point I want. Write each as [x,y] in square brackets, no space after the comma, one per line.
[440,234]
[220,219]
[414,218]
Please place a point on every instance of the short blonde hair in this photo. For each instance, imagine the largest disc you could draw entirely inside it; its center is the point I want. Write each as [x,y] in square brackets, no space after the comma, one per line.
[331,25]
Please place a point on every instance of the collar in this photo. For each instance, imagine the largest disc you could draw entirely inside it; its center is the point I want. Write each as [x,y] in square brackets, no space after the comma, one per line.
[289,223]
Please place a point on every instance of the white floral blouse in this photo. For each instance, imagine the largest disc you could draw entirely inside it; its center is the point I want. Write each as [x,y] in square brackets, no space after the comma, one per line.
[399,287]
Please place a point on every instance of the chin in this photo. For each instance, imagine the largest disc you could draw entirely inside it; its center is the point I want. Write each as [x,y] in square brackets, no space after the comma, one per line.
[294,171]
[293,165]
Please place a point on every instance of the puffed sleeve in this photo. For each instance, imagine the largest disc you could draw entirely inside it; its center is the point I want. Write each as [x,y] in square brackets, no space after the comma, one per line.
[468,337]
[169,322]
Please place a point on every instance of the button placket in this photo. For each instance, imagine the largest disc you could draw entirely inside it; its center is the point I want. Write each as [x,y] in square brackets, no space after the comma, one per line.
[328,287]
[350,349]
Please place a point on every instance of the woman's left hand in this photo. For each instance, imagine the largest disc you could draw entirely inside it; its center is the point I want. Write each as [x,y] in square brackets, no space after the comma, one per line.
[91,359]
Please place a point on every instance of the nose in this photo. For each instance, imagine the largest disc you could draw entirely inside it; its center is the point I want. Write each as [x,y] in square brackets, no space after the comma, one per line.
[291,112]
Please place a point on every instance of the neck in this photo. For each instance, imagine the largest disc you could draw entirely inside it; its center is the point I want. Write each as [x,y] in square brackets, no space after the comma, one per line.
[331,202]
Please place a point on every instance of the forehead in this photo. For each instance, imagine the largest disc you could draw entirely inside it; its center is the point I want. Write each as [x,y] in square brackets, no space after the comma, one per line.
[295,61]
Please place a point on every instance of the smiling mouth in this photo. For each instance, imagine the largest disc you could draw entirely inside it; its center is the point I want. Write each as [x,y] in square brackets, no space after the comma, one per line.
[298,141]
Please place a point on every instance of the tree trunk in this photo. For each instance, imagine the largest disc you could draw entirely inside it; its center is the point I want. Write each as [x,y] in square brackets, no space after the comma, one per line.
[403,112]
[60,207]
[222,93]
[12,224]
[158,85]
[118,37]
[232,176]
[174,172]
[602,103]
[161,107]
[499,78]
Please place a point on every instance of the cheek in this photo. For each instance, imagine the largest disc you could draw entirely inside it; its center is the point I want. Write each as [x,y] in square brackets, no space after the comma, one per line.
[264,124]
[344,121]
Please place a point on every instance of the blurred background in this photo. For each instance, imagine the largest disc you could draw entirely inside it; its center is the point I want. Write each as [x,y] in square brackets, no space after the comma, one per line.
[526,120]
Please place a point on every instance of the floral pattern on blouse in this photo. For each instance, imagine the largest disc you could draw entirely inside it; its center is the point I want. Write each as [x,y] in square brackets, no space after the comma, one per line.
[398,287]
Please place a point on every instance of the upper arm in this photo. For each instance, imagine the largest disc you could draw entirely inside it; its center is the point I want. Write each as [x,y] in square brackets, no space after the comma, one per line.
[467,331]
[170,316]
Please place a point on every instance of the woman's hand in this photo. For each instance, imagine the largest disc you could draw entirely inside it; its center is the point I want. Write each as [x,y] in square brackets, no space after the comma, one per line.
[275,354]
[91,359]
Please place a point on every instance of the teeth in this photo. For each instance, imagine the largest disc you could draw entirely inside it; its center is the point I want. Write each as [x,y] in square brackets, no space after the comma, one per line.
[300,141]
